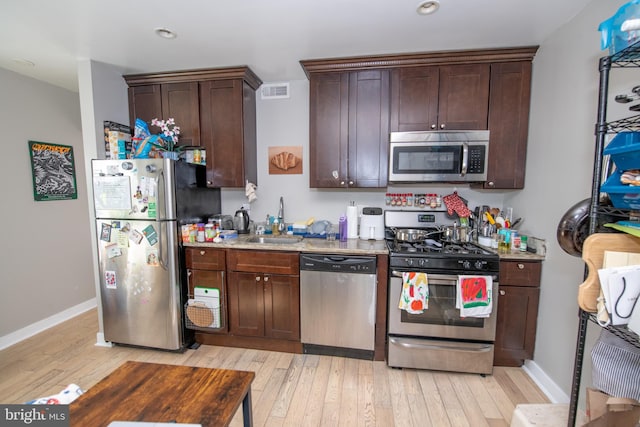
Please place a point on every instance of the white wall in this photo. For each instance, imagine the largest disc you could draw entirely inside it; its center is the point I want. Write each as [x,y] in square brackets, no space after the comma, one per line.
[559,172]
[45,263]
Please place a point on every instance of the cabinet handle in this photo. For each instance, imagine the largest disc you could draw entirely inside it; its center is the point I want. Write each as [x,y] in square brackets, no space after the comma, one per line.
[209,183]
[202,253]
[350,182]
[520,266]
[341,182]
[433,126]
[257,278]
[502,292]
[266,278]
[491,183]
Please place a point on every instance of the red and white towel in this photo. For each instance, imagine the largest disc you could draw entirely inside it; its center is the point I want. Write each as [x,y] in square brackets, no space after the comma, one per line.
[474,296]
[414,297]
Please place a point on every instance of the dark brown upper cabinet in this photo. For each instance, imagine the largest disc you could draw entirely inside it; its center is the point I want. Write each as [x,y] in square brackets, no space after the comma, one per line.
[451,97]
[509,100]
[349,129]
[450,90]
[215,109]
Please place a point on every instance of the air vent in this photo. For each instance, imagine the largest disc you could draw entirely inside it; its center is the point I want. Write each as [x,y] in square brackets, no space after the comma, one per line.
[274,90]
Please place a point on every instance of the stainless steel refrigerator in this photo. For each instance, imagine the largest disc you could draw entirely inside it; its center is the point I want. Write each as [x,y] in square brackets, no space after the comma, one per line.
[139,207]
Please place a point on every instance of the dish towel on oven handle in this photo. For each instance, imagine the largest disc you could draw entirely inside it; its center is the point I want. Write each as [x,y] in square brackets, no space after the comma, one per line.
[414,297]
[474,296]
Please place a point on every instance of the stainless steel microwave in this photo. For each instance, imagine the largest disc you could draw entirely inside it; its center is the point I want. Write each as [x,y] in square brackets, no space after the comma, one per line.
[438,156]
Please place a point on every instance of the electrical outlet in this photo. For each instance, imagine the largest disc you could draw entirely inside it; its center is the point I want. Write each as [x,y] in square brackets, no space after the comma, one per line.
[247,207]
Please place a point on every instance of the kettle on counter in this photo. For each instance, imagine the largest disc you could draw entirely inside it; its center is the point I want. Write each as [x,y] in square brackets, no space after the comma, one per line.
[241,221]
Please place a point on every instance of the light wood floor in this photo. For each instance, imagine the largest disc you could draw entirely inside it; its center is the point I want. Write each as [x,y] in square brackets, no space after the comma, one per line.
[289,389]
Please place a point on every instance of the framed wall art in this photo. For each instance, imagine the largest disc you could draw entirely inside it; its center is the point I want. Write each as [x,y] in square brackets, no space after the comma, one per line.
[285,160]
[53,171]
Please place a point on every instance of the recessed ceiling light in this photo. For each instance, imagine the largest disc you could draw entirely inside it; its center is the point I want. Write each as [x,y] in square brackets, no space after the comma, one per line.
[165,33]
[23,62]
[428,7]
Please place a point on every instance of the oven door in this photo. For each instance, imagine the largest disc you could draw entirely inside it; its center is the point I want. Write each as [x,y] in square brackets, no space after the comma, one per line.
[442,318]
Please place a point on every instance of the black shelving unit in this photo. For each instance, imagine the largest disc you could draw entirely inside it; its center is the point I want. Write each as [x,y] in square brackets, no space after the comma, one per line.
[629,57]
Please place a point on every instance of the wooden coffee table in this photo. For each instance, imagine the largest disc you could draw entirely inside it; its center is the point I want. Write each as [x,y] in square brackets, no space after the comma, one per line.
[152,392]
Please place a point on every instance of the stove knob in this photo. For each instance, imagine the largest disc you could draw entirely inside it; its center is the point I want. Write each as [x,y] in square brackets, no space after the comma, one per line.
[478,265]
[408,261]
[422,262]
[466,265]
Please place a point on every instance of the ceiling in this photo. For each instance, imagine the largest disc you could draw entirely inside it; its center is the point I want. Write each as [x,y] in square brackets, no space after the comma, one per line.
[269,36]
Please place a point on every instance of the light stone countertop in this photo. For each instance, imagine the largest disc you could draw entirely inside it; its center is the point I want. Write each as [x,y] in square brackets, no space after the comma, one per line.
[351,246]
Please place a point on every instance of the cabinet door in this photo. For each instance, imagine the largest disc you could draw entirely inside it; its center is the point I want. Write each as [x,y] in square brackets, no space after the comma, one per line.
[221,117]
[452,97]
[414,99]
[246,304]
[145,102]
[282,306]
[368,137]
[463,98]
[180,101]
[516,325]
[508,124]
[328,130]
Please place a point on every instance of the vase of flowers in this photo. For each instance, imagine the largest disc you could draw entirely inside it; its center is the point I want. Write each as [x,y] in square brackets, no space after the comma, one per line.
[168,141]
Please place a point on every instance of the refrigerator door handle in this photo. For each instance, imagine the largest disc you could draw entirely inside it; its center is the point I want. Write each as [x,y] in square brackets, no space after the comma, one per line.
[159,224]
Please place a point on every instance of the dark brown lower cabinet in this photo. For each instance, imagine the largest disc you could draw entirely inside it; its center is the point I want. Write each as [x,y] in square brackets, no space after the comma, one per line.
[517,312]
[264,305]
[264,294]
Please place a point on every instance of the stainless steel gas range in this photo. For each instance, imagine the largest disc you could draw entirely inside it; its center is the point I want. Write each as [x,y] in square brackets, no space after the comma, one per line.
[439,338]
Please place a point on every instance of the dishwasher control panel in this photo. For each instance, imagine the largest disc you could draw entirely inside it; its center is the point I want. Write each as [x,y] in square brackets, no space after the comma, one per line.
[338,263]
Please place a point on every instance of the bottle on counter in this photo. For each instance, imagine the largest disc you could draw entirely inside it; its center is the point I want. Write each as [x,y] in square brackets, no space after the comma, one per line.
[342,228]
[523,243]
[200,237]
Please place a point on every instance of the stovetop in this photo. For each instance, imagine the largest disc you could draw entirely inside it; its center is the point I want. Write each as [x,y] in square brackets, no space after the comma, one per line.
[434,255]
[432,247]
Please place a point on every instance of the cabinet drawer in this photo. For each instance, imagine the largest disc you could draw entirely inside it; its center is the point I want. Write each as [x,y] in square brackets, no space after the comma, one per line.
[205,258]
[264,261]
[520,273]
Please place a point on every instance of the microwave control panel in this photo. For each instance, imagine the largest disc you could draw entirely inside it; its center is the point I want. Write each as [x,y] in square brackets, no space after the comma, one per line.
[476,159]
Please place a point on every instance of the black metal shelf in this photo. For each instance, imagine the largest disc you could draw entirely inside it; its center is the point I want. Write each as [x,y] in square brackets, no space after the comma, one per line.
[619,331]
[628,124]
[599,213]
[628,57]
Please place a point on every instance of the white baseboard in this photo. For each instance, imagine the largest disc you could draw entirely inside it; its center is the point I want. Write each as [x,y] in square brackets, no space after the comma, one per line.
[35,328]
[546,384]
[100,341]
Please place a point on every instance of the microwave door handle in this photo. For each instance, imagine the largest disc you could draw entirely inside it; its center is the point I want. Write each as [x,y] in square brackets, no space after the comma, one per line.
[465,159]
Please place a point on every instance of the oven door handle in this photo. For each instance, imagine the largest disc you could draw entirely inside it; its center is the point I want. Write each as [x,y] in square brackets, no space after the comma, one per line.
[433,277]
[455,346]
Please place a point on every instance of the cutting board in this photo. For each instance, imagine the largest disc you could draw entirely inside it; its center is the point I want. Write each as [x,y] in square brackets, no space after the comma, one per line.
[593,251]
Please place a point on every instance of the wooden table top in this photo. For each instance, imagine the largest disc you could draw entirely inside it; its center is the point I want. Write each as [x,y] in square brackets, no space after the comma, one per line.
[152,392]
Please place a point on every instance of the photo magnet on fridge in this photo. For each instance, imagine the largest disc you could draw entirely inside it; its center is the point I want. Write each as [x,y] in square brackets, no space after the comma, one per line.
[105,234]
[151,235]
[135,236]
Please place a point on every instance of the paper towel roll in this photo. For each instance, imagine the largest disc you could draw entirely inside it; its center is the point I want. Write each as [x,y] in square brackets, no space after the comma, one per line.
[352,222]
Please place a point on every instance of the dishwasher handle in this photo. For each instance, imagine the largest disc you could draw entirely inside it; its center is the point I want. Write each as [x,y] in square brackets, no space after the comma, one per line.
[338,263]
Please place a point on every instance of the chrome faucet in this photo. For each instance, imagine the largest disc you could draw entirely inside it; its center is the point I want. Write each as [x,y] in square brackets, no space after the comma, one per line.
[281,225]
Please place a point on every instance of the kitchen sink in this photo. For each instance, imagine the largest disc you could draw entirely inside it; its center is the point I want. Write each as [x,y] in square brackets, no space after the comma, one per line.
[275,240]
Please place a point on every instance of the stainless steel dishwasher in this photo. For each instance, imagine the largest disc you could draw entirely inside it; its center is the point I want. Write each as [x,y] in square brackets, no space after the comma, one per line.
[338,304]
